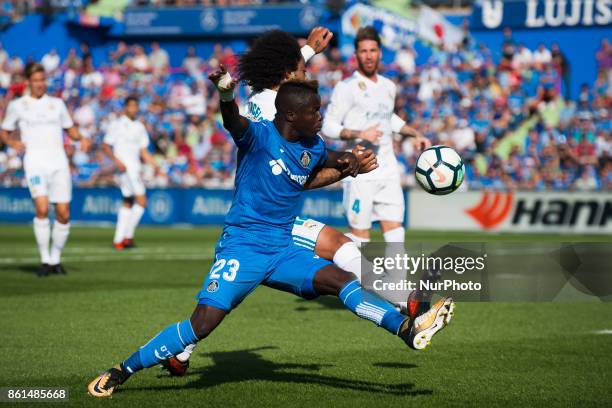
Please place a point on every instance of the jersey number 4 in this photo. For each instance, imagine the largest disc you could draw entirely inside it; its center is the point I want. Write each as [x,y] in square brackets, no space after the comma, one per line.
[229,274]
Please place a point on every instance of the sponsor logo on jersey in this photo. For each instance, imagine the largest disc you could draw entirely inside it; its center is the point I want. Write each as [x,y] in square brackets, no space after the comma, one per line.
[278,166]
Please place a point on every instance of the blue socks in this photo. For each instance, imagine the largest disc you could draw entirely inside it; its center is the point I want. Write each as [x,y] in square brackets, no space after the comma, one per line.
[167,343]
[368,305]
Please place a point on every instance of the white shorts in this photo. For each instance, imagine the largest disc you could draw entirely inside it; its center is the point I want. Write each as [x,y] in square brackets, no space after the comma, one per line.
[131,184]
[56,184]
[306,232]
[366,201]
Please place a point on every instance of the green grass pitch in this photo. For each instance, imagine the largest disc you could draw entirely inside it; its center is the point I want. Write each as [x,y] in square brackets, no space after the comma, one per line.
[275,349]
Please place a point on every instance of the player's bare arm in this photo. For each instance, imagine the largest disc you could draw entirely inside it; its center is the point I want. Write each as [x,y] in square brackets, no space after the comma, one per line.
[419,139]
[108,150]
[148,158]
[371,134]
[74,134]
[16,144]
[326,176]
[232,120]
[319,39]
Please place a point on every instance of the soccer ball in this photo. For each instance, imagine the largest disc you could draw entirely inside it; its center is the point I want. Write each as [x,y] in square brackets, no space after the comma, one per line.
[439,170]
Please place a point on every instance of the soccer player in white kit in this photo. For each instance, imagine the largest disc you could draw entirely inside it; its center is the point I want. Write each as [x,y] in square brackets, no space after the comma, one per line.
[361,111]
[41,119]
[125,143]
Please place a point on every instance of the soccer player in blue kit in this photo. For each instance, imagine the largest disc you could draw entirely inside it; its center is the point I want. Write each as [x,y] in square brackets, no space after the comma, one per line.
[276,162]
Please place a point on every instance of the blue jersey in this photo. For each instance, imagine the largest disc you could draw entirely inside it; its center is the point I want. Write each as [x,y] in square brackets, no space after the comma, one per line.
[270,177]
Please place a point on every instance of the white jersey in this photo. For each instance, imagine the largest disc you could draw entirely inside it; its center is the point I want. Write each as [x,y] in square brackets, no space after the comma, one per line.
[358,103]
[41,122]
[260,106]
[127,137]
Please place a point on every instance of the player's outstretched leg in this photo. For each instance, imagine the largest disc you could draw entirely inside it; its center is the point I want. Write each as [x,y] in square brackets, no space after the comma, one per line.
[167,343]
[333,245]
[416,333]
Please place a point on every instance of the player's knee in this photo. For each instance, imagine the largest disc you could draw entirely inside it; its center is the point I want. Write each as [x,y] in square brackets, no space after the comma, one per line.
[205,319]
[42,212]
[63,218]
[338,239]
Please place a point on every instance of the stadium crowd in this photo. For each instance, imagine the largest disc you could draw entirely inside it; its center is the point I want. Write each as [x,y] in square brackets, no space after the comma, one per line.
[508,120]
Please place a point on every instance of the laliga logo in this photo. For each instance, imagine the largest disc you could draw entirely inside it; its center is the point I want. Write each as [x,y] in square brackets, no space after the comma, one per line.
[160,206]
[209,20]
[308,17]
[492,209]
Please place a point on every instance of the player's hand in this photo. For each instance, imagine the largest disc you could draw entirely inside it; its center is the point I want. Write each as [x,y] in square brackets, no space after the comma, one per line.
[348,164]
[85,144]
[421,142]
[222,80]
[367,159]
[371,134]
[120,166]
[17,145]
[319,39]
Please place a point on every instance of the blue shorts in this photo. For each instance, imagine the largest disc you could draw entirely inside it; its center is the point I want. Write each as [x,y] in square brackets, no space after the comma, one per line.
[242,264]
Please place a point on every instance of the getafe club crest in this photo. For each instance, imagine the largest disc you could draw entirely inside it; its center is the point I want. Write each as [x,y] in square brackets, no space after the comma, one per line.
[306,158]
[212,286]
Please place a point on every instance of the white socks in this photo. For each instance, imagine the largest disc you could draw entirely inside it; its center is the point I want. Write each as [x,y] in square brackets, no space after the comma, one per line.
[59,237]
[42,232]
[134,220]
[356,239]
[123,218]
[395,235]
[184,356]
[348,257]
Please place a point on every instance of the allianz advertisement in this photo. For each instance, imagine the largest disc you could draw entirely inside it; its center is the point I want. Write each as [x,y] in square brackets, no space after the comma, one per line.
[165,206]
[544,212]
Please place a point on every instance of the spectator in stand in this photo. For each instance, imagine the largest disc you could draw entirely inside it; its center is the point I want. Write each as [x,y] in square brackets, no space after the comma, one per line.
[193,64]
[159,59]
[50,61]
[542,57]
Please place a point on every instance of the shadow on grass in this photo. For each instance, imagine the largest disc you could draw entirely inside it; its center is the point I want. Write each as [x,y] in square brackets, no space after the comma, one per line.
[322,302]
[248,365]
[395,365]
[33,268]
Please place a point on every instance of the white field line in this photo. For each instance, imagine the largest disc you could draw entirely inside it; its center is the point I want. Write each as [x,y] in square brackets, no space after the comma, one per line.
[604,331]
[108,250]
[122,258]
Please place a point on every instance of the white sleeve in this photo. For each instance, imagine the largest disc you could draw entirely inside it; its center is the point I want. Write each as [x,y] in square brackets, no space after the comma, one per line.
[144,138]
[110,136]
[307,53]
[339,105]
[397,123]
[65,119]
[11,118]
